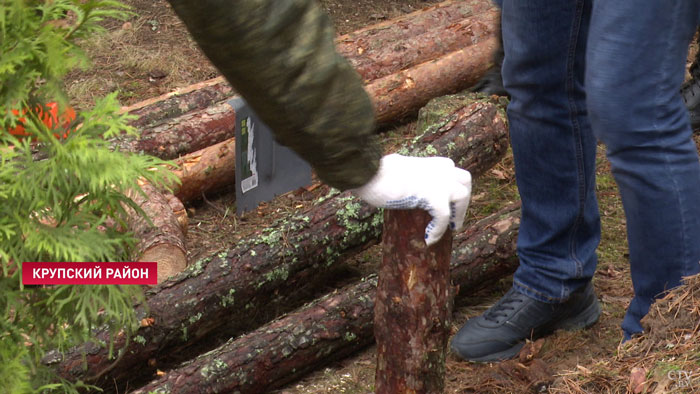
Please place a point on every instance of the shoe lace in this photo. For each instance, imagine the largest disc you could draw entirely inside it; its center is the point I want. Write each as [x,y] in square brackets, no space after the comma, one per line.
[502,308]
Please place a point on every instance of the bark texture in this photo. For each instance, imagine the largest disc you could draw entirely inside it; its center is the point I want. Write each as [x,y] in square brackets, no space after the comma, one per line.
[331,327]
[178,210]
[328,329]
[163,240]
[198,96]
[275,271]
[490,258]
[205,171]
[397,44]
[412,309]
[403,93]
[183,134]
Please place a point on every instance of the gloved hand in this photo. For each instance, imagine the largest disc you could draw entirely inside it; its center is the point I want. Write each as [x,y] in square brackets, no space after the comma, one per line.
[430,183]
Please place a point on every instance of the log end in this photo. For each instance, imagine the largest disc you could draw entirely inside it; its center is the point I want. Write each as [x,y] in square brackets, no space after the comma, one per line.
[171,260]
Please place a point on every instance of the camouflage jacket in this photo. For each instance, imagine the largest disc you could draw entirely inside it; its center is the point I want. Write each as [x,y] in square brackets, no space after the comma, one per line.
[280,56]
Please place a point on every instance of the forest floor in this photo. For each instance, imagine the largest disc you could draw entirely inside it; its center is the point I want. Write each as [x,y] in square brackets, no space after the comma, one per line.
[151,54]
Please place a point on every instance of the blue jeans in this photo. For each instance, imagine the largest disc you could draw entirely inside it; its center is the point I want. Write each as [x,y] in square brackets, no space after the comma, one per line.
[579,71]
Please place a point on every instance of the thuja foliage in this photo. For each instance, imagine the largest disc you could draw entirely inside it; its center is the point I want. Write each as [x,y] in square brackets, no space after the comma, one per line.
[61,199]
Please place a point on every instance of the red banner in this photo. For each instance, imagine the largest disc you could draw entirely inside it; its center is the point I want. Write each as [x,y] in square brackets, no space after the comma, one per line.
[73,273]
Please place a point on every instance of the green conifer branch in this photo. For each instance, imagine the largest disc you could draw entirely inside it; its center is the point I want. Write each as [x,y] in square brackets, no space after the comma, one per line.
[67,206]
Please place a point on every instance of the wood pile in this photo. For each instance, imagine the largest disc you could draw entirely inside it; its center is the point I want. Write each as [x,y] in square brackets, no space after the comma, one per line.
[241,320]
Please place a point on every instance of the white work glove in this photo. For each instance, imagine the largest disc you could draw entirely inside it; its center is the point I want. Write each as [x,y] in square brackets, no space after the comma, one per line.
[430,183]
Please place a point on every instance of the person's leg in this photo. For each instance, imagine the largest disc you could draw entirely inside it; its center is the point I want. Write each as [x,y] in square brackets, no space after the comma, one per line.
[635,66]
[553,147]
[554,154]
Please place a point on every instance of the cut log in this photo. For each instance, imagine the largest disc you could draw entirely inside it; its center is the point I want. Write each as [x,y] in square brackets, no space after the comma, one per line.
[163,240]
[179,211]
[401,43]
[201,95]
[404,93]
[275,271]
[413,306]
[208,170]
[332,327]
[184,134]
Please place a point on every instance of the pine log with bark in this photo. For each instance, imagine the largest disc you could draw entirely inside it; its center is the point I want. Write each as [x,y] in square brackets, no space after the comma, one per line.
[334,326]
[211,169]
[413,306]
[404,93]
[276,270]
[184,134]
[394,97]
[205,171]
[179,211]
[397,44]
[405,62]
[198,96]
[163,239]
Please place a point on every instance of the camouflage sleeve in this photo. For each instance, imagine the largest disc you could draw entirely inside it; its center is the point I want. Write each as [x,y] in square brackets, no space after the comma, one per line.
[280,56]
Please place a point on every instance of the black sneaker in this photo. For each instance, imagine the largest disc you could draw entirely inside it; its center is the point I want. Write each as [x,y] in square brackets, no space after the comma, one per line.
[501,331]
[691,95]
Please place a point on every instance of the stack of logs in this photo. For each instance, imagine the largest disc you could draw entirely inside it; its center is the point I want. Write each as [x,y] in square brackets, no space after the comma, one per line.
[211,327]
[404,63]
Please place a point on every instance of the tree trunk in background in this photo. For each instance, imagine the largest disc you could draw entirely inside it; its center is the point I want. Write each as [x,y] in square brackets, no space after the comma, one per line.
[275,271]
[413,306]
[334,326]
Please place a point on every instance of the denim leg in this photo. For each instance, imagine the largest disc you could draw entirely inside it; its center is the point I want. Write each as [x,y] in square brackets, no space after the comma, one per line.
[635,65]
[553,146]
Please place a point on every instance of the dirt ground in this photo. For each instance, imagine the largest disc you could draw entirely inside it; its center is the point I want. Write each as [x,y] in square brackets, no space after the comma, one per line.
[151,54]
